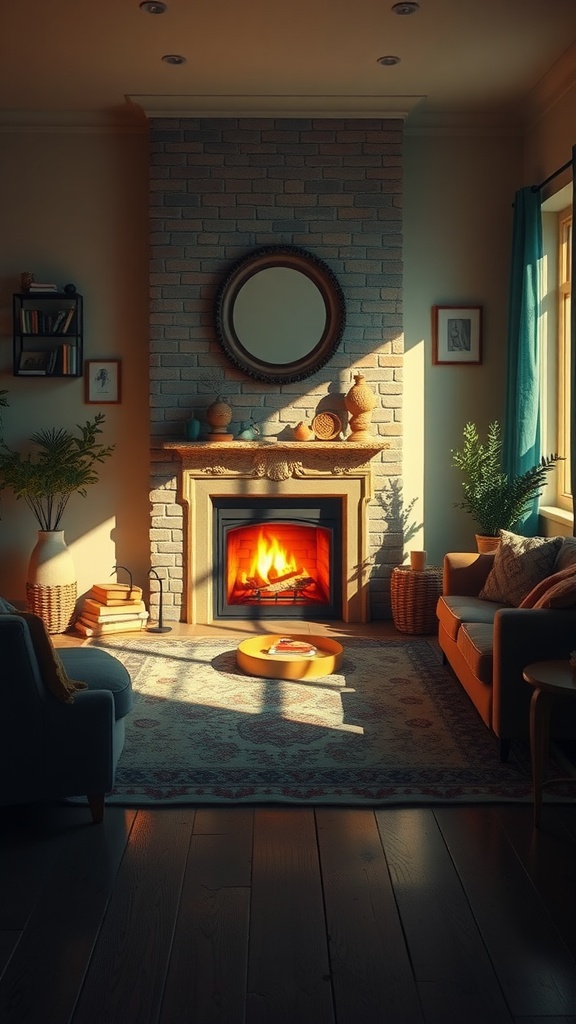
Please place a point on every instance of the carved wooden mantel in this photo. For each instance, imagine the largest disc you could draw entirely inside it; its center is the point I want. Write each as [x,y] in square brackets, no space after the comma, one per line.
[278,460]
[211,469]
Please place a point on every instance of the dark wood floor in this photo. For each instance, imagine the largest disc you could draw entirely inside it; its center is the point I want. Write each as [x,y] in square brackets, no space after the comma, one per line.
[288,915]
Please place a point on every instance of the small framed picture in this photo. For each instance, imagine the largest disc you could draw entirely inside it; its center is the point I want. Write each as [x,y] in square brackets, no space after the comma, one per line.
[102,379]
[457,335]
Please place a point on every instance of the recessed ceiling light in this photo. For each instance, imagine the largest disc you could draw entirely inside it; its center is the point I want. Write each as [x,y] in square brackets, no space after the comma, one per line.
[153,6]
[389,60]
[410,7]
[173,58]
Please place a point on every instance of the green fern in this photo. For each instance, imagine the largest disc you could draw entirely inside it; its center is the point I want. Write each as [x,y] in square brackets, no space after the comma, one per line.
[494,500]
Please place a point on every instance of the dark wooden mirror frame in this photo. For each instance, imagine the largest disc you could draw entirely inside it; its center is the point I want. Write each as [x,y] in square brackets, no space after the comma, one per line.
[292,258]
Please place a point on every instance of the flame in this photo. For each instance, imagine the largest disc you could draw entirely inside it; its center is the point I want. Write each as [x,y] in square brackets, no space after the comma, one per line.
[271,560]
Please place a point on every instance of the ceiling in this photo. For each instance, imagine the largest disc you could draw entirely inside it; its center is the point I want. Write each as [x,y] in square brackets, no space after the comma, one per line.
[70,61]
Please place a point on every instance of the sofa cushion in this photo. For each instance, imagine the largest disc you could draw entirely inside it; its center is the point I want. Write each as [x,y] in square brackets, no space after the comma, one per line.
[475,646]
[549,584]
[519,564]
[452,610]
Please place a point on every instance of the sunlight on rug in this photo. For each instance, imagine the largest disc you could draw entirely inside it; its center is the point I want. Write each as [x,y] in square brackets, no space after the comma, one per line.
[391,727]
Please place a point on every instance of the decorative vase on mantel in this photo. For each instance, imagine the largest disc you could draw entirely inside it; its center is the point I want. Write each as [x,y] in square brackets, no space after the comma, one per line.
[51,587]
[360,402]
[219,415]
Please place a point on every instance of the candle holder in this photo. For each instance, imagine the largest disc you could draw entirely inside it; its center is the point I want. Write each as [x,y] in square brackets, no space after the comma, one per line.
[160,628]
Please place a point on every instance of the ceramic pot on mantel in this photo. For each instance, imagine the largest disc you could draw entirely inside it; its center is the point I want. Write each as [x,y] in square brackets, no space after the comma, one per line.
[360,402]
[51,582]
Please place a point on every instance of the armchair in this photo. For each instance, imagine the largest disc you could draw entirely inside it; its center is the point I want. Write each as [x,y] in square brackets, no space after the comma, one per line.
[58,737]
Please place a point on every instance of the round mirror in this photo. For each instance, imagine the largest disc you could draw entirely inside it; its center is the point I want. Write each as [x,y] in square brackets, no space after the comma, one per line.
[280,314]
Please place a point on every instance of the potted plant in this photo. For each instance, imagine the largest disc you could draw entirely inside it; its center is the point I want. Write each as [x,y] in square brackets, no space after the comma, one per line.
[495,500]
[62,463]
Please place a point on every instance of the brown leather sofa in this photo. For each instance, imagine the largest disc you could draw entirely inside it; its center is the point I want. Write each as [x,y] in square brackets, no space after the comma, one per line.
[488,644]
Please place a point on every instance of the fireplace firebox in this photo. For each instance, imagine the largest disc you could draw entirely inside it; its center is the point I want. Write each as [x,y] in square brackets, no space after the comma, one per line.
[277,558]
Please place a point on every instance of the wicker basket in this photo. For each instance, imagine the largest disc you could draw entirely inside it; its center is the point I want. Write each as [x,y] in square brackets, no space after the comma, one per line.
[55,605]
[414,596]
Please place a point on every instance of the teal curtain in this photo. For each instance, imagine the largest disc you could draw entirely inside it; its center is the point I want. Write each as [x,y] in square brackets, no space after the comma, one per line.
[522,430]
[573,357]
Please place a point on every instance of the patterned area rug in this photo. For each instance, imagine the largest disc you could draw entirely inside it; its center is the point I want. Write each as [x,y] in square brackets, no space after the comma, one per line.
[391,727]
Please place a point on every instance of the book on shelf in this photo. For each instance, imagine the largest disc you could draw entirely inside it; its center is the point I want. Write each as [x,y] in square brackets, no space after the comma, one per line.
[114,592]
[88,628]
[67,320]
[43,286]
[104,612]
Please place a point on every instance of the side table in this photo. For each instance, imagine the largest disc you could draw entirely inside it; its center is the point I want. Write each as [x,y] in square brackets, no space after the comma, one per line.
[548,678]
[414,595]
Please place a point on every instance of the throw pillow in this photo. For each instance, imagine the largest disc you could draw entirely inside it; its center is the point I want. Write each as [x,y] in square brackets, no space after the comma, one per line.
[566,555]
[6,608]
[561,595]
[519,564]
[542,588]
[51,667]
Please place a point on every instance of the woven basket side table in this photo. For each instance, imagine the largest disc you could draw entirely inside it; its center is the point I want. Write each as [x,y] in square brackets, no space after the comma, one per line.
[414,595]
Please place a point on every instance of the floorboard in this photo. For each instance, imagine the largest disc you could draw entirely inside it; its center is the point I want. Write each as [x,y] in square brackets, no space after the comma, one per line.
[130,960]
[370,967]
[208,967]
[288,972]
[456,977]
[537,972]
[43,977]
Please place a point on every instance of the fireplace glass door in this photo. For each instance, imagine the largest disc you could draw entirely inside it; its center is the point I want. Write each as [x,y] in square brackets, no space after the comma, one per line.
[278,558]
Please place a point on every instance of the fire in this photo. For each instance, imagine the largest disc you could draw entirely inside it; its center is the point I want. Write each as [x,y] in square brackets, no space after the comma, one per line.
[271,560]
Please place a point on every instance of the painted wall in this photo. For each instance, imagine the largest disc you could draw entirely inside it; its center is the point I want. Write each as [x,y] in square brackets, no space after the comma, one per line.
[458,194]
[74,206]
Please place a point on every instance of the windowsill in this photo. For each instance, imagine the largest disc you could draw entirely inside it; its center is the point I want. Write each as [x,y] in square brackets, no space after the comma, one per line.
[553,514]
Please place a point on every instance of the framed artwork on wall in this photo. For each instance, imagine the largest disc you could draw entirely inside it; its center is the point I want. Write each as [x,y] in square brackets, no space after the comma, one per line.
[456,335]
[102,380]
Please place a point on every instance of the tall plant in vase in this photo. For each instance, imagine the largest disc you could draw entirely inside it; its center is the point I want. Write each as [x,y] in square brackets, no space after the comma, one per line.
[495,500]
[60,464]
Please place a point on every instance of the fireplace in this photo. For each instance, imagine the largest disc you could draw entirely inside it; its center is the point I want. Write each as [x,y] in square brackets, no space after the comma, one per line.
[318,491]
[277,557]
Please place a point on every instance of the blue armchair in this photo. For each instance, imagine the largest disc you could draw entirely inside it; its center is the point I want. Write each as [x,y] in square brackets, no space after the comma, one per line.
[62,717]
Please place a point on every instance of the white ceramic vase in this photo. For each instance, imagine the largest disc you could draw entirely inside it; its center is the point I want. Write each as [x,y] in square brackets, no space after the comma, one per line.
[51,583]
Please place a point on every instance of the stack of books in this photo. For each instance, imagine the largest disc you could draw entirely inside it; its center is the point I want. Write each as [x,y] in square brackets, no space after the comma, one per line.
[43,286]
[112,608]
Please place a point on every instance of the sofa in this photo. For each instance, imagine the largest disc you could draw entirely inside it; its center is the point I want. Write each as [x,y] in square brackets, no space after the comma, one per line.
[489,630]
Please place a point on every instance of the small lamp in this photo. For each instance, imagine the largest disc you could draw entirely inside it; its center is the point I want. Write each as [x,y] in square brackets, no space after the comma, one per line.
[160,628]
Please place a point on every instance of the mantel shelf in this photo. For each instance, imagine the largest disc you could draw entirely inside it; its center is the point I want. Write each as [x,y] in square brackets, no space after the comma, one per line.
[189,448]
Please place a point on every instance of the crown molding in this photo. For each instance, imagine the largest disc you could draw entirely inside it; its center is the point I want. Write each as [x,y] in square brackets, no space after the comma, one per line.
[357,107]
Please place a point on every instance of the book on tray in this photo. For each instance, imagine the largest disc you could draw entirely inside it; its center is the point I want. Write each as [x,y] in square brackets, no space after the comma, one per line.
[288,645]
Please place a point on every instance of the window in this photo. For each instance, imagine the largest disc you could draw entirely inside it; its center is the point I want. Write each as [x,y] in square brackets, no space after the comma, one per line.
[564,497]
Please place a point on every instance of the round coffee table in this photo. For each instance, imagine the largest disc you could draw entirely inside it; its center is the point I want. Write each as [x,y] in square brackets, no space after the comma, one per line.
[253,658]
